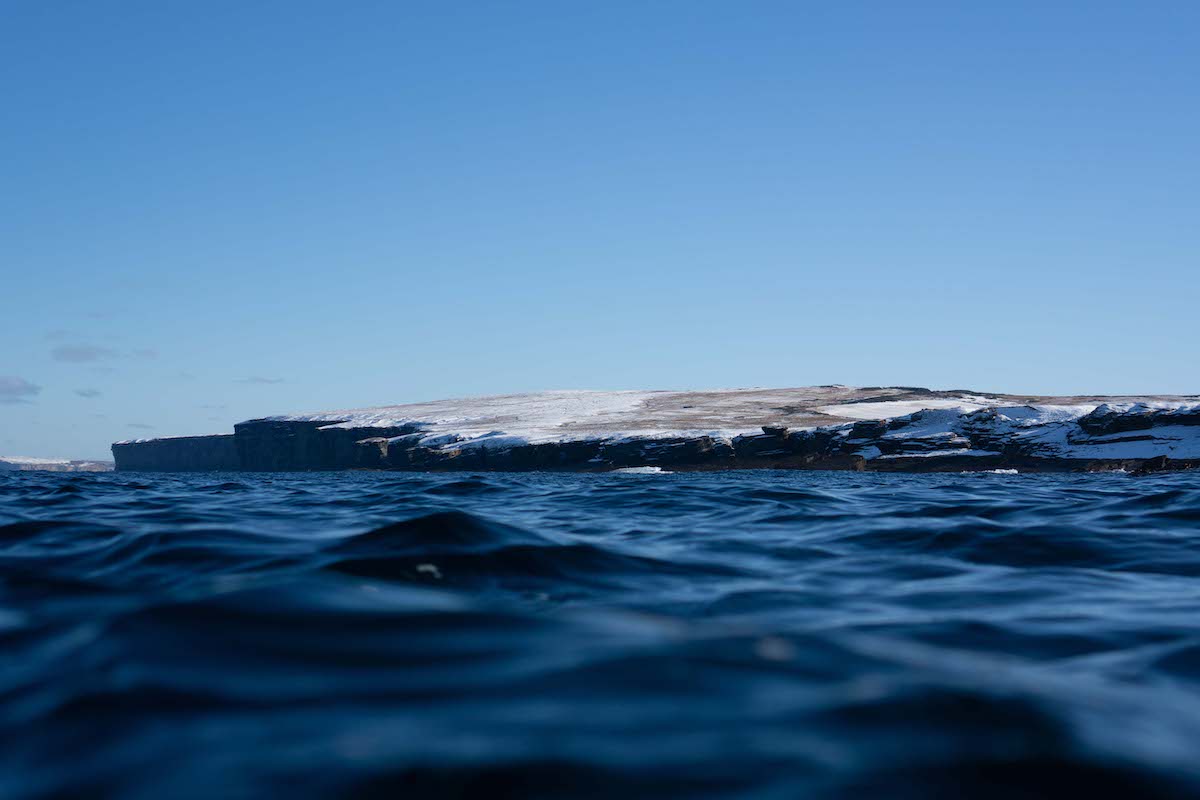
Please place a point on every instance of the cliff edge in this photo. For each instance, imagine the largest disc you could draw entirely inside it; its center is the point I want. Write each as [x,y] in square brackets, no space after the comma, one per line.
[823,427]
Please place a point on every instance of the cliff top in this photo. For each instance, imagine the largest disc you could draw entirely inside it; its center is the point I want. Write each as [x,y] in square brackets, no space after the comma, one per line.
[564,415]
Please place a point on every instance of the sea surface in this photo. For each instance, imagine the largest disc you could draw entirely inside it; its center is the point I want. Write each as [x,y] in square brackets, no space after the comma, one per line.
[762,634]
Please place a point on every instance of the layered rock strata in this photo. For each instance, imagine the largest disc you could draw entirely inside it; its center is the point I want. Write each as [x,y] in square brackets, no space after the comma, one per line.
[874,429]
[179,454]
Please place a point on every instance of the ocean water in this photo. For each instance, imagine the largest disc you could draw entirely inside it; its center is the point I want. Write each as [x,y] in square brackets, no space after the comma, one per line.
[766,634]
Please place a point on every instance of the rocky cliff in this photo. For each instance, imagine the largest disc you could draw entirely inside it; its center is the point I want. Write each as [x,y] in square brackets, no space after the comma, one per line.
[828,427]
[178,454]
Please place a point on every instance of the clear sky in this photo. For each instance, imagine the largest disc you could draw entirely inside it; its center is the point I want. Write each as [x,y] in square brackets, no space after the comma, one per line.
[211,211]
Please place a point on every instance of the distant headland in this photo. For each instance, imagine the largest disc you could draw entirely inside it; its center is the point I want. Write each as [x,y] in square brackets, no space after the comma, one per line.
[819,427]
[28,464]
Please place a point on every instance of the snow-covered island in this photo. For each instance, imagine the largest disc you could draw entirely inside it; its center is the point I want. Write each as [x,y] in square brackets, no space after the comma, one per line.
[28,463]
[819,427]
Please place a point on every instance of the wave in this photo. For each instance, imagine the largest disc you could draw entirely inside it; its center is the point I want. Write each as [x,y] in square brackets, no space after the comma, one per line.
[728,634]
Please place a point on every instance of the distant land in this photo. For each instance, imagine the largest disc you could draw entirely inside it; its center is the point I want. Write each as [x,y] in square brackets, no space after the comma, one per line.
[818,427]
[26,463]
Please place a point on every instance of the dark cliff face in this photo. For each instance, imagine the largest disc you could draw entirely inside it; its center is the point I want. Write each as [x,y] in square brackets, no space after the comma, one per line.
[976,440]
[1105,420]
[182,454]
[279,446]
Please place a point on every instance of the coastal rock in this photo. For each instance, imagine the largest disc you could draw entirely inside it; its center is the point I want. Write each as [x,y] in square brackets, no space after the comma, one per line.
[829,427]
[265,445]
[179,454]
[1108,420]
[764,445]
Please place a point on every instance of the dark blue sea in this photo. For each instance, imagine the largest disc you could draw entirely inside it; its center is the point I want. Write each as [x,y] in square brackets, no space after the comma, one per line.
[763,634]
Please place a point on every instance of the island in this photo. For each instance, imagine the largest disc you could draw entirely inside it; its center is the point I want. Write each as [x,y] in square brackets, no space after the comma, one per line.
[819,427]
[29,464]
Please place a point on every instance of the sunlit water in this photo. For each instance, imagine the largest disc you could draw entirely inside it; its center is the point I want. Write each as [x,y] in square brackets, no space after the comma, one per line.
[775,634]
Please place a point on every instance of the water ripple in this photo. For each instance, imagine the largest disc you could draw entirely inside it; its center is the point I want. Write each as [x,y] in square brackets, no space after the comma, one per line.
[767,633]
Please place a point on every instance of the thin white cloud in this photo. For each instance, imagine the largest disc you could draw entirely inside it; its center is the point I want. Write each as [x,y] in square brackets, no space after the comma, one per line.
[17,390]
[81,353]
[75,350]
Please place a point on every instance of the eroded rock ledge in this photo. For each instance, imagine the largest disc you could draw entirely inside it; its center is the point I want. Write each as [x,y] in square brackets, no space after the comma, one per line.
[876,429]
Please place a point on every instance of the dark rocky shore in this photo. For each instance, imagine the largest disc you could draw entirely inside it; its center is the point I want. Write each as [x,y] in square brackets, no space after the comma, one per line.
[1136,437]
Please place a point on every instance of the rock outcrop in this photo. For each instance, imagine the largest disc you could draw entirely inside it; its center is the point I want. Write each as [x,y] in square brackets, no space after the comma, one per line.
[179,454]
[884,429]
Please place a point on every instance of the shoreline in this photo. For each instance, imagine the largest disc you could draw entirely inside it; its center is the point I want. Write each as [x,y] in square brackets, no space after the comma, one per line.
[866,430]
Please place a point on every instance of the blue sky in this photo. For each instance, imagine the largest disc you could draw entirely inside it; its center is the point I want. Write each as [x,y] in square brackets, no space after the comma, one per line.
[214,211]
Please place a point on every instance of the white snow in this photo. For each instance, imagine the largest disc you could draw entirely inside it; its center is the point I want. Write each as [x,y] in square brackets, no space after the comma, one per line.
[556,416]
[899,408]
[1054,431]
[1048,430]
[942,426]
[964,451]
[530,418]
[9,463]
[1173,441]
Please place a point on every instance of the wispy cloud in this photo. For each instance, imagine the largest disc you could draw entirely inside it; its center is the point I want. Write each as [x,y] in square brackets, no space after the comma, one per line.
[258,379]
[141,426]
[17,390]
[75,349]
[81,353]
[88,393]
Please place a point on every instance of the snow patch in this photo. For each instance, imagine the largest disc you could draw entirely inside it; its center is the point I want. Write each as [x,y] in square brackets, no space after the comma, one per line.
[899,408]
[965,451]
